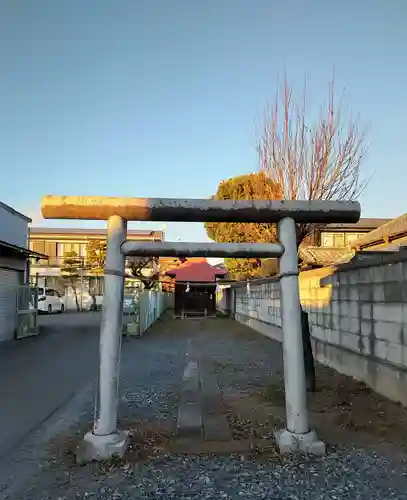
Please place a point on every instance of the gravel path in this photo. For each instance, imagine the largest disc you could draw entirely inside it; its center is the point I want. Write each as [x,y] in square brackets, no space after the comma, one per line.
[152,368]
[343,475]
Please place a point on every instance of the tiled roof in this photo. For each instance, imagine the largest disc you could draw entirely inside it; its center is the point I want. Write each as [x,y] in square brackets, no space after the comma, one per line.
[324,256]
[386,232]
[222,266]
[365,223]
[196,269]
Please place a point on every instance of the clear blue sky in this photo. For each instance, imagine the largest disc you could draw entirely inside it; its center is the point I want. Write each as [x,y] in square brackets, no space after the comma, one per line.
[160,97]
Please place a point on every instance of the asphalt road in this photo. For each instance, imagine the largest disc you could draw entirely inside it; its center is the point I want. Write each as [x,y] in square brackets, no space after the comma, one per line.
[40,374]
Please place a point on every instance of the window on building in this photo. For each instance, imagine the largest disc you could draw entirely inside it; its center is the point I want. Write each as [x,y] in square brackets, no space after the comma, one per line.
[327,239]
[334,240]
[82,249]
[60,249]
[38,246]
[351,237]
[339,240]
[65,248]
[51,248]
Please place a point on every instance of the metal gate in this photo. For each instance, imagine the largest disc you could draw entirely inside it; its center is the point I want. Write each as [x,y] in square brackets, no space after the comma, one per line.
[18,306]
[26,311]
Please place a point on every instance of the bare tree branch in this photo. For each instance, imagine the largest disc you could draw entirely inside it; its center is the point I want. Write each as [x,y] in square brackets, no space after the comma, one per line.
[317,162]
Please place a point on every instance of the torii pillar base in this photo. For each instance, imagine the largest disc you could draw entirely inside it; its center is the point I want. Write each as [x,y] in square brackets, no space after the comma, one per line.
[290,442]
[99,448]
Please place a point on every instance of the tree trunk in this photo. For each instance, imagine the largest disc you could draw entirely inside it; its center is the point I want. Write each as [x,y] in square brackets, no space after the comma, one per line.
[76,297]
[306,339]
[308,355]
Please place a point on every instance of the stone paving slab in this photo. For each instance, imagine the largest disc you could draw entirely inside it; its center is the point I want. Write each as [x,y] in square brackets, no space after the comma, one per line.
[193,447]
[212,401]
[189,420]
[216,427]
[201,412]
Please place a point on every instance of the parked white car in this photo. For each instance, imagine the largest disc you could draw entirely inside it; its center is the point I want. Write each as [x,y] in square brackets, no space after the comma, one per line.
[50,301]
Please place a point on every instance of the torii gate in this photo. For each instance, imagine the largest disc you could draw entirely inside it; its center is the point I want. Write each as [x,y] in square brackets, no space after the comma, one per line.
[105,440]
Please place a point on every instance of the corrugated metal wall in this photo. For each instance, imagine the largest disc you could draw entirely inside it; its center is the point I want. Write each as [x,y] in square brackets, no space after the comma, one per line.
[9,282]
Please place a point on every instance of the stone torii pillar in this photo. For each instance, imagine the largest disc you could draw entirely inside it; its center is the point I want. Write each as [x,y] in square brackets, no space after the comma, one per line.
[105,440]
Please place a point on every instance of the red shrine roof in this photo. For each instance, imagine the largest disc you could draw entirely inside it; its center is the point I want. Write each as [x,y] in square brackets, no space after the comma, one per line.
[196,269]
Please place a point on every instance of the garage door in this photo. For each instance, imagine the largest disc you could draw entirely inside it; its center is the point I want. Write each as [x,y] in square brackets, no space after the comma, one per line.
[9,281]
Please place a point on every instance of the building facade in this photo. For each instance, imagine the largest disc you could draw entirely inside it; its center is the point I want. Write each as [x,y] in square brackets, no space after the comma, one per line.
[328,245]
[344,235]
[335,242]
[58,243]
[390,236]
[14,269]
[195,287]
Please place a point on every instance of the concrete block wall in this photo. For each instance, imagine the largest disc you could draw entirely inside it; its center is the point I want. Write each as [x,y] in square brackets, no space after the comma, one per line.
[357,315]
[367,313]
[260,301]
